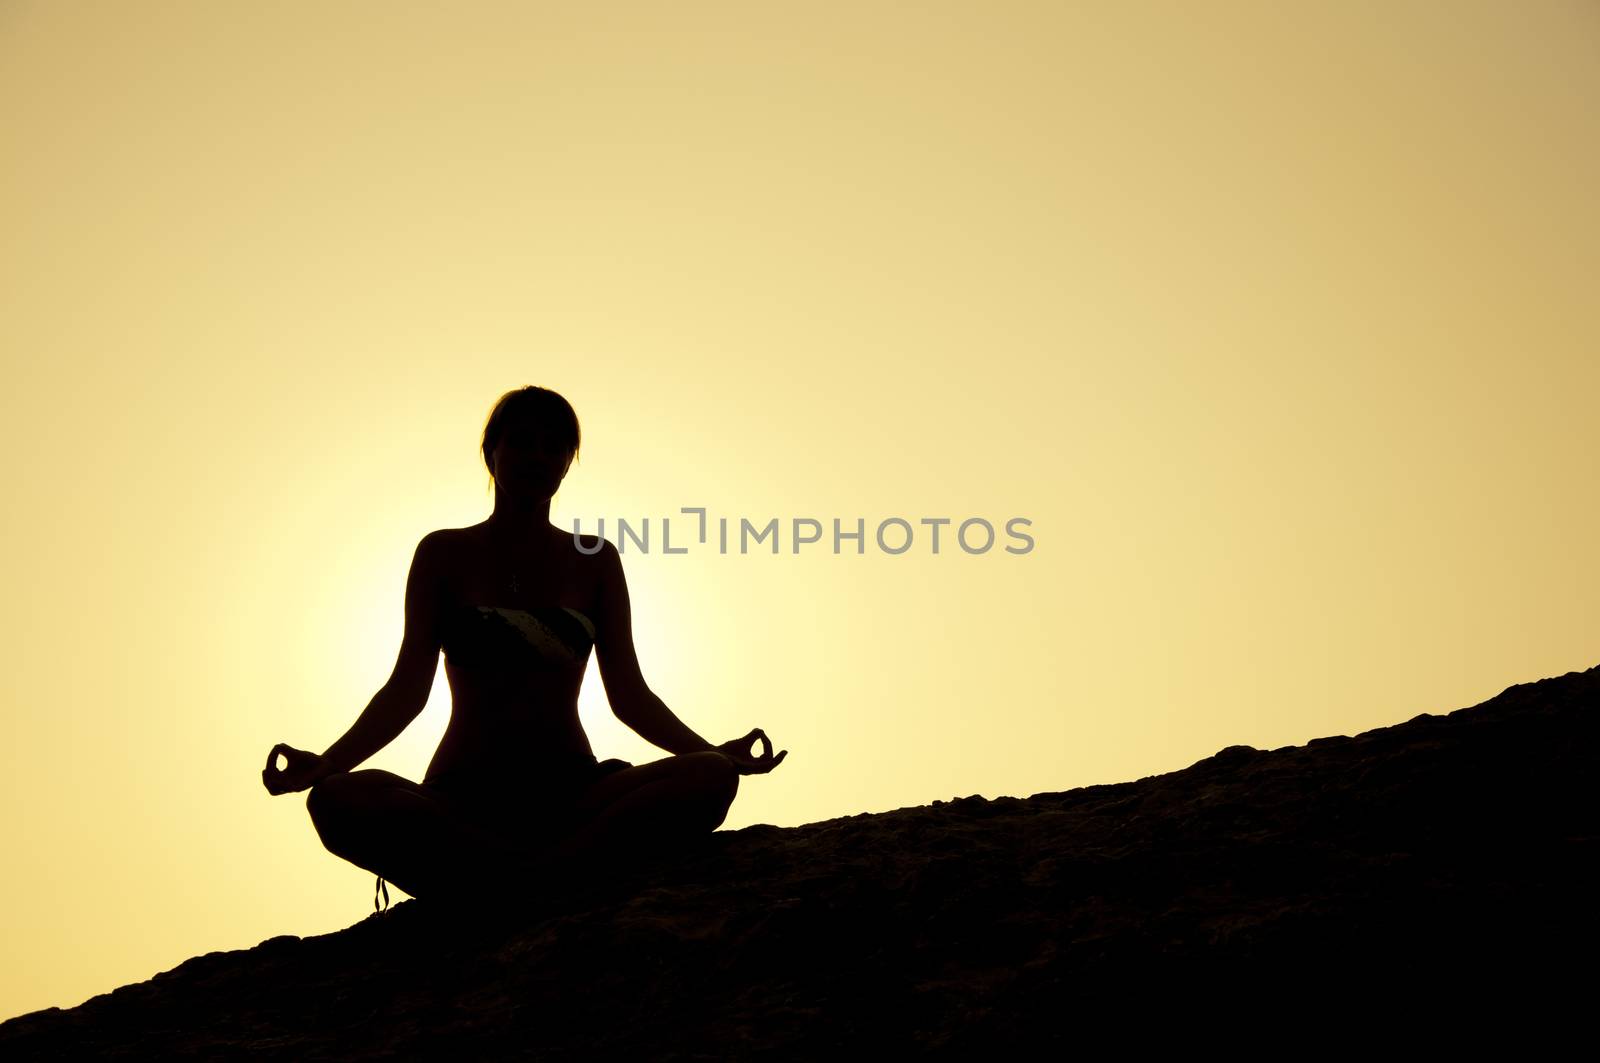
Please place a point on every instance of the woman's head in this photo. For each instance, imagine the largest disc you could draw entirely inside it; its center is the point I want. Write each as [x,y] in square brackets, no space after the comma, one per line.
[530,440]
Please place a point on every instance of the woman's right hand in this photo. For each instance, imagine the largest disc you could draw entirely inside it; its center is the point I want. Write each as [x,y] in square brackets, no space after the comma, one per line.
[302,773]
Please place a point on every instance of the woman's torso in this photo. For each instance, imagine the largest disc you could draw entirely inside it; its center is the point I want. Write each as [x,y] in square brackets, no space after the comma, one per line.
[514,659]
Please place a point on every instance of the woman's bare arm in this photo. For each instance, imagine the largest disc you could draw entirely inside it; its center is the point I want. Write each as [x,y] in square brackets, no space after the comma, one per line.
[632,700]
[405,694]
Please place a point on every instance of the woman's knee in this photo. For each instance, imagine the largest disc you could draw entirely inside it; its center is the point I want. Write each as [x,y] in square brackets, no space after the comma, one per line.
[718,774]
[335,796]
[325,801]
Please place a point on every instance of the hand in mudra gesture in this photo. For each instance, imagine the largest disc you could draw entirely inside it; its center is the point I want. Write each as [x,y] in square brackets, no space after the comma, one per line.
[303,771]
[738,751]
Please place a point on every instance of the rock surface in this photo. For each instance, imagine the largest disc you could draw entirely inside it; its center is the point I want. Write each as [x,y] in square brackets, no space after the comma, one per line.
[1440,873]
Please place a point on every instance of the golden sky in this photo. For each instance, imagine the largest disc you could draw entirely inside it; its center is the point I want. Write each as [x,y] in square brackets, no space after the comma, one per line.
[1275,320]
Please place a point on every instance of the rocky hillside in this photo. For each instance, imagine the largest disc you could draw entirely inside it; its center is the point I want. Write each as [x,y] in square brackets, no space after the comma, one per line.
[1438,876]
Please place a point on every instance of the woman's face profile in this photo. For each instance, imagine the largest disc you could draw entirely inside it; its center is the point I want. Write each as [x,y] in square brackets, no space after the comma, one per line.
[530,460]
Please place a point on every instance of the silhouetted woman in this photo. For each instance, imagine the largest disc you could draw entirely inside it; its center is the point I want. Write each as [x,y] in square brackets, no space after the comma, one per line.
[515,604]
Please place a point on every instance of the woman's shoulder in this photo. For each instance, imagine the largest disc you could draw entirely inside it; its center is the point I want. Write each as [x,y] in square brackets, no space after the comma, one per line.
[446,551]
[448,538]
[588,544]
[474,535]
[454,552]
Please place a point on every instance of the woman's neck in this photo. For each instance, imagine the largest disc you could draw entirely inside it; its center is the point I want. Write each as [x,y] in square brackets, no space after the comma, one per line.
[519,520]
[519,535]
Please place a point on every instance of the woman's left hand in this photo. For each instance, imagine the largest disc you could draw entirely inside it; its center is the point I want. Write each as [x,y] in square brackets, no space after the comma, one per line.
[738,751]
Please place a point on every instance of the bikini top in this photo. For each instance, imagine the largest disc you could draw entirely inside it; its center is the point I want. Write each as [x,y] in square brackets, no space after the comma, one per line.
[550,636]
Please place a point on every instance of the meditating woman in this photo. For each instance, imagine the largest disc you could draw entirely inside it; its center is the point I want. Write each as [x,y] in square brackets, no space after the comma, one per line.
[515,604]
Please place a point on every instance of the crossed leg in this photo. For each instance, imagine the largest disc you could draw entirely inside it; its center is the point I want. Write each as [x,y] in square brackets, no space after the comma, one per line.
[398,829]
[649,809]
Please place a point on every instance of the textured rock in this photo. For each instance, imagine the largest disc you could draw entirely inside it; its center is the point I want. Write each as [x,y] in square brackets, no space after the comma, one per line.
[1439,873]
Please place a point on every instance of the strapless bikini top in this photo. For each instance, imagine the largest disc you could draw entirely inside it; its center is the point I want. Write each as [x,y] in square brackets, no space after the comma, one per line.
[498,636]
